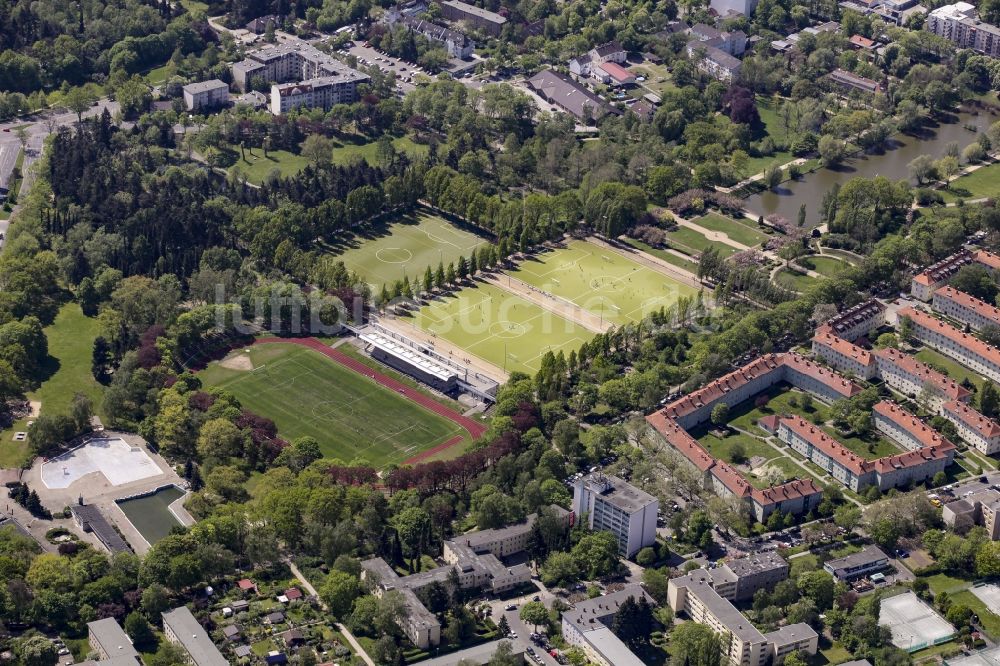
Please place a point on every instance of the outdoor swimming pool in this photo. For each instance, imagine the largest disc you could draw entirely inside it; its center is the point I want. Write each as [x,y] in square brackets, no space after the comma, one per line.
[150,514]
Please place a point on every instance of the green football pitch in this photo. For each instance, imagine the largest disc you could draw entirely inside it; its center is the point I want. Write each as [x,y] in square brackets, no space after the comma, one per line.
[406,246]
[602,281]
[499,327]
[350,416]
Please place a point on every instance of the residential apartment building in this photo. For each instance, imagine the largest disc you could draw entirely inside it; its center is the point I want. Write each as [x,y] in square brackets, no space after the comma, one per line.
[110,642]
[960,24]
[695,596]
[487,21]
[323,92]
[739,580]
[600,62]
[857,321]
[910,377]
[856,565]
[924,284]
[456,43]
[965,348]
[205,95]
[980,509]
[974,428]
[181,627]
[471,558]
[303,76]
[843,355]
[967,309]
[587,626]
[726,8]
[798,496]
[930,454]
[613,505]
[716,52]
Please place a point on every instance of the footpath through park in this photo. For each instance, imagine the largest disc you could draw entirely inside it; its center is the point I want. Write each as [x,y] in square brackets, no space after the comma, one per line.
[473,427]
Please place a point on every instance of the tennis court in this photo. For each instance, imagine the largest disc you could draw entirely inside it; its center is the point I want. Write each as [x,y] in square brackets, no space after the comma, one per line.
[601,281]
[989,594]
[405,246]
[914,624]
[500,328]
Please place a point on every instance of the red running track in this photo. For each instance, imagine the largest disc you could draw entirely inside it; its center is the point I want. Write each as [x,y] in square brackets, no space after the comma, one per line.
[474,428]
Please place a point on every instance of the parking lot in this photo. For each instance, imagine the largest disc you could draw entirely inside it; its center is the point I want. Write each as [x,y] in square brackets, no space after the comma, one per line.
[403,70]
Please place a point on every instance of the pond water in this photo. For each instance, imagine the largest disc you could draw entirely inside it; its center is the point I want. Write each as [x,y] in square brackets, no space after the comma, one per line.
[150,514]
[891,163]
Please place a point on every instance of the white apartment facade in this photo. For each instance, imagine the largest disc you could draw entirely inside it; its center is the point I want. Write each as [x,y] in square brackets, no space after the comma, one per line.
[613,505]
[976,429]
[205,95]
[965,308]
[965,348]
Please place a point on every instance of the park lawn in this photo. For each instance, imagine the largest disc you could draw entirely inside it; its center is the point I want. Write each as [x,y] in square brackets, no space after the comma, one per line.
[949,366]
[658,79]
[825,266]
[803,563]
[942,582]
[722,447]
[669,257]
[601,281]
[736,230]
[500,327]
[195,6]
[987,619]
[71,345]
[307,394]
[692,242]
[843,255]
[833,653]
[779,402]
[404,246]
[788,466]
[256,167]
[789,278]
[349,149]
[877,448]
[158,75]
[983,182]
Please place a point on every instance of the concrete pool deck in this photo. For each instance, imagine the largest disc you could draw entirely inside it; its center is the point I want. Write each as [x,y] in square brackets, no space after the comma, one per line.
[119,461]
[96,489]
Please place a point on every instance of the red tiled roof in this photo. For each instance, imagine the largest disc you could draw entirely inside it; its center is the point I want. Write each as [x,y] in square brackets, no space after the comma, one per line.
[769,423]
[245,584]
[863,42]
[793,489]
[920,431]
[987,259]
[841,346]
[943,269]
[293,593]
[721,386]
[831,379]
[616,71]
[964,340]
[983,425]
[731,479]
[948,387]
[679,438]
[970,302]
[831,447]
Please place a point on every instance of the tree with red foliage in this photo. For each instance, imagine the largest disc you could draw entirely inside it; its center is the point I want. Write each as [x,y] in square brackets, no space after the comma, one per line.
[740,105]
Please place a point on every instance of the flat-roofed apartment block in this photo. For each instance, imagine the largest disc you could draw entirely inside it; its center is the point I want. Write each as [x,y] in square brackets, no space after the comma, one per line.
[110,642]
[614,505]
[181,627]
[977,509]
[965,308]
[976,429]
[739,580]
[311,78]
[472,558]
[856,565]
[490,22]
[205,95]
[965,348]
[695,596]
[587,626]
[924,284]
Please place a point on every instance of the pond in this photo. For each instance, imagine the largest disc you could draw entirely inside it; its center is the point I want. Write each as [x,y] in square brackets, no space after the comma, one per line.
[150,514]
[891,163]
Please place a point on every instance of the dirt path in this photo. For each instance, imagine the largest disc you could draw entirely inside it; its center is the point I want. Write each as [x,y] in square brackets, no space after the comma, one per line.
[442,346]
[560,306]
[651,262]
[474,428]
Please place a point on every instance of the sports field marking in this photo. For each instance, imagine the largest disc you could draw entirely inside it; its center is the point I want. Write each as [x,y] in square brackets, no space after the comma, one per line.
[617,288]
